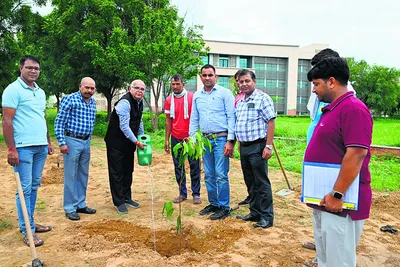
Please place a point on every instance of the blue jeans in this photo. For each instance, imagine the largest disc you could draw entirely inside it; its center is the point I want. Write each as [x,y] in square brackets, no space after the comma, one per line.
[216,167]
[76,173]
[31,163]
[181,174]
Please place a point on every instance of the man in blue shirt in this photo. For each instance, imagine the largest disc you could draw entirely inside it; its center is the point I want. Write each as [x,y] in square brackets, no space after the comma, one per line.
[121,141]
[213,113]
[27,138]
[255,125]
[73,128]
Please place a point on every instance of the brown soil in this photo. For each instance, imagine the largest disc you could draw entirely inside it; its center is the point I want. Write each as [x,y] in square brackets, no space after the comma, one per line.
[110,239]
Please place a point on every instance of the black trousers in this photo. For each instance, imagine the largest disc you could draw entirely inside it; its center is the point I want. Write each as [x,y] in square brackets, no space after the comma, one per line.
[255,172]
[120,170]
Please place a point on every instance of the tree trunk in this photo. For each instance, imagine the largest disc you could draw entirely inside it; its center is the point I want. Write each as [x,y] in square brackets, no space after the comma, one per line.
[109,99]
[57,102]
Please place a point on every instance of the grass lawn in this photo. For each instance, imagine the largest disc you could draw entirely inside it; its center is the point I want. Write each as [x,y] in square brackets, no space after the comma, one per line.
[384,169]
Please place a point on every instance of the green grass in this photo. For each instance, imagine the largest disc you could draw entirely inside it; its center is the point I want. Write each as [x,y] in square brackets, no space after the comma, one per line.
[5,224]
[384,169]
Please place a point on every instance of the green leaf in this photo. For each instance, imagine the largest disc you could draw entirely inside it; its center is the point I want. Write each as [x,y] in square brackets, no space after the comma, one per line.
[168,209]
[178,224]
[176,149]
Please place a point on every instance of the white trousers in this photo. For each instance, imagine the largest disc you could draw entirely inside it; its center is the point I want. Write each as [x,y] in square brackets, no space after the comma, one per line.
[336,239]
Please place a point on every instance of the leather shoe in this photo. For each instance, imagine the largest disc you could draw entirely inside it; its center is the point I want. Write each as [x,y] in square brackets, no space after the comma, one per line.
[73,216]
[249,217]
[263,223]
[86,210]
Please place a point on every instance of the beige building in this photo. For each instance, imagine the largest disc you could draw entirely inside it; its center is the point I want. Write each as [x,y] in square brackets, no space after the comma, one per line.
[281,70]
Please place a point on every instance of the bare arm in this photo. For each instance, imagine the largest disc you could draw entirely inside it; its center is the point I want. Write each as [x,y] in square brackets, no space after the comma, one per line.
[168,127]
[351,166]
[8,132]
[267,153]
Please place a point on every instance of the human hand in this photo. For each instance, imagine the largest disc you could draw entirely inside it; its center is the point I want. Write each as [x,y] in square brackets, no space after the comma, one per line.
[228,149]
[50,149]
[13,157]
[140,145]
[331,203]
[64,149]
[166,147]
[267,153]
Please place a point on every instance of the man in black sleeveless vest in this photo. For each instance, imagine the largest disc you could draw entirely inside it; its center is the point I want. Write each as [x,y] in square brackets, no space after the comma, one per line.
[121,141]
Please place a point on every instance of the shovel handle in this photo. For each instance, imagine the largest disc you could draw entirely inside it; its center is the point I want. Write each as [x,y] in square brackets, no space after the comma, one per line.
[26,216]
[280,164]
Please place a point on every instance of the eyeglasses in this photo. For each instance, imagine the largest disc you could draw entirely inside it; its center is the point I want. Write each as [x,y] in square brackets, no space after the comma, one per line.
[207,75]
[137,88]
[32,68]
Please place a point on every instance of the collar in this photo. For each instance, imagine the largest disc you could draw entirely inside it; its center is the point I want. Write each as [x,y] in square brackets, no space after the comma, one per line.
[335,103]
[25,86]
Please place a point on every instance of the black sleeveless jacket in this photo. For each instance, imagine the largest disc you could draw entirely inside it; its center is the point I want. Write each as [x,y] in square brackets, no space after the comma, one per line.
[114,136]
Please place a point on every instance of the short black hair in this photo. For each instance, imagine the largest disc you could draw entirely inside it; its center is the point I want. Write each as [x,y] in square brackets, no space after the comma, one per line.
[237,74]
[177,77]
[245,72]
[207,66]
[330,67]
[327,52]
[28,57]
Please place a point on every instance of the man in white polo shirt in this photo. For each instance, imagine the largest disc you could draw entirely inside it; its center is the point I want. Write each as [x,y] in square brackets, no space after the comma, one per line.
[27,138]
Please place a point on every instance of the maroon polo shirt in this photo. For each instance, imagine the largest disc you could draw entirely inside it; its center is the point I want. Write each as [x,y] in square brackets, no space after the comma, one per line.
[346,122]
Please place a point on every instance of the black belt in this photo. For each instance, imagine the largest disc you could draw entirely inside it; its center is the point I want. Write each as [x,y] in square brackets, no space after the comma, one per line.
[83,137]
[214,135]
[261,140]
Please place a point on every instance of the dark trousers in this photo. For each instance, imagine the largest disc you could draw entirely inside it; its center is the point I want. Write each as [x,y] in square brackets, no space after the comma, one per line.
[120,169]
[255,172]
[181,174]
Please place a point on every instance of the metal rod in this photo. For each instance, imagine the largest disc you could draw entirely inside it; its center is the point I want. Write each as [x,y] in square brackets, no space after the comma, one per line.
[280,164]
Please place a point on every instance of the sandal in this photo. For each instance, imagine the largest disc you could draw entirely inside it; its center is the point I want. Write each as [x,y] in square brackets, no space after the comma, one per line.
[42,228]
[179,199]
[197,200]
[311,263]
[390,229]
[308,245]
[38,242]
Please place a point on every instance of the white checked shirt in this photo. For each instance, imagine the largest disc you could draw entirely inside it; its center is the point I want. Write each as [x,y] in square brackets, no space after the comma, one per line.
[252,116]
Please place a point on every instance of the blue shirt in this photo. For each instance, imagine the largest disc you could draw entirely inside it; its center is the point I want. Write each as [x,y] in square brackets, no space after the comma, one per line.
[75,116]
[29,121]
[252,116]
[213,112]
[123,109]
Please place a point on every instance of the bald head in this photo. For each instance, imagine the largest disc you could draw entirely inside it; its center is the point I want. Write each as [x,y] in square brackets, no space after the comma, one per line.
[87,88]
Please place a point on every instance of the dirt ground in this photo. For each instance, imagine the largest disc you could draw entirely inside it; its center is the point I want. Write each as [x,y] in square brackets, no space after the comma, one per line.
[110,239]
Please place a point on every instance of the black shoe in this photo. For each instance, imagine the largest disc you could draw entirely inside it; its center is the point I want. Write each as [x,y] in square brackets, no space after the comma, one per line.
[245,202]
[263,223]
[221,214]
[208,209]
[122,209]
[249,217]
[86,210]
[132,204]
[72,216]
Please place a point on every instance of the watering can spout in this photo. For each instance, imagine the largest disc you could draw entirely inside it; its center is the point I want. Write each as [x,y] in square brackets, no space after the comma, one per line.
[145,154]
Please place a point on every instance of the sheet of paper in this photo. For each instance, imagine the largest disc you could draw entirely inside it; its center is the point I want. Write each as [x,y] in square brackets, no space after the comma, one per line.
[319,179]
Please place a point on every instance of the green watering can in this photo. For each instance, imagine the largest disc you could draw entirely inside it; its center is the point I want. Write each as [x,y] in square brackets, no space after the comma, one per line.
[145,155]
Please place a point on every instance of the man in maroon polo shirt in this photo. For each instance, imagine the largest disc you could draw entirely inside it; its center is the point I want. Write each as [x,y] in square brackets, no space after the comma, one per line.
[342,136]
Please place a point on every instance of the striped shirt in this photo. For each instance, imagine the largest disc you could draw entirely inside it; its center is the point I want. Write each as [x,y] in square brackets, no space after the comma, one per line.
[252,116]
[74,116]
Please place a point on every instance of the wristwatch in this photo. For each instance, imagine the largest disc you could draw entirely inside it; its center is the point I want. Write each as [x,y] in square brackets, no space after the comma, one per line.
[269,147]
[231,141]
[337,194]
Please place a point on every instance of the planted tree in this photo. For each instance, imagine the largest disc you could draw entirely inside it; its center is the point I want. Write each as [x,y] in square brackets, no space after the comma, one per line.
[193,147]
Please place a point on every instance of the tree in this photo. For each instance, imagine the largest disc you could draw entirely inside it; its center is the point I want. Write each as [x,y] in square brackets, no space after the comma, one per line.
[15,18]
[377,86]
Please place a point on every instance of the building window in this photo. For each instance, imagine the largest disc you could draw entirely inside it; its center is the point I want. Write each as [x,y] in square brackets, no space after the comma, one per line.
[191,85]
[270,83]
[223,81]
[223,61]
[302,68]
[302,84]
[243,63]
[272,67]
[204,59]
[259,66]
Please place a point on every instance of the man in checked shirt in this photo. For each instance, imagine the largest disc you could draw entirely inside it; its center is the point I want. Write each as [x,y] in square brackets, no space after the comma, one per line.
[255,125]
[73,128]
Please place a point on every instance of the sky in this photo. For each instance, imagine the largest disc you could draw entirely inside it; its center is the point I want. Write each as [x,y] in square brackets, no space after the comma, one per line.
[364,29]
